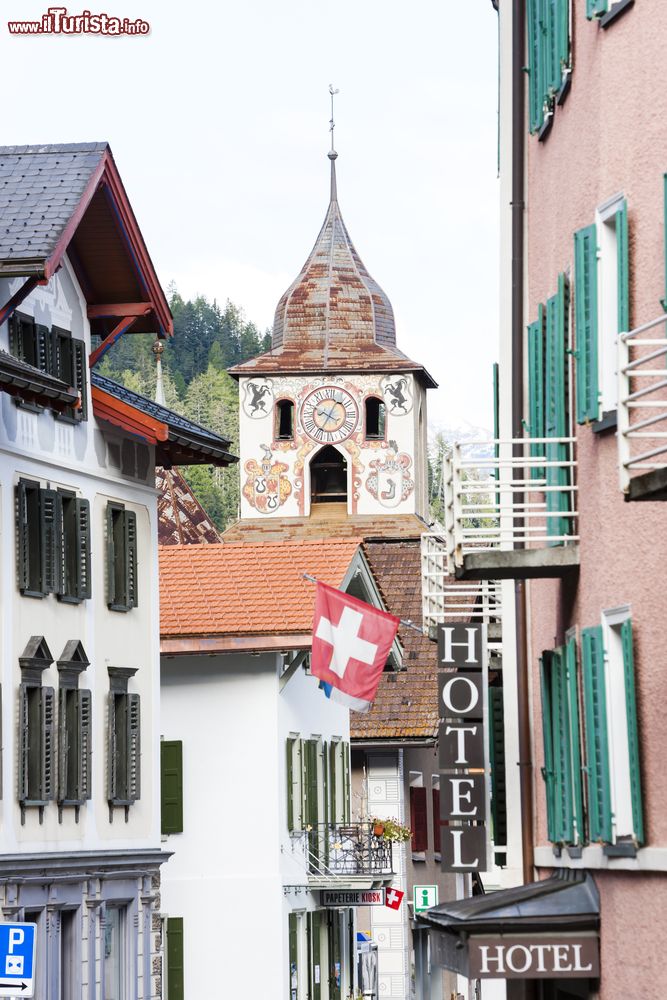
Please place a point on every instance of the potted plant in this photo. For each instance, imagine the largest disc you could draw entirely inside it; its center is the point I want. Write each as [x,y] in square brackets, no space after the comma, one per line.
[391,829]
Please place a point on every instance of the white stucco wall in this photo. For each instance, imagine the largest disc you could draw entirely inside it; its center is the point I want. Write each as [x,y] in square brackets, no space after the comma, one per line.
[233,876]
[285,465]
[39,447]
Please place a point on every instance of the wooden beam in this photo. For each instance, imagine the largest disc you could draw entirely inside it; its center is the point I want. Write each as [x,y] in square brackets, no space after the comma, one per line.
[110,340]
[119,309]
[18,297]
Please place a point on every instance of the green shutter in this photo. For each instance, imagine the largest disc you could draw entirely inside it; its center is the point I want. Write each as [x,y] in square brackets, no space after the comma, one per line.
[50,542]
[347,796]
[131,584]
[334,816]
[633,733]
[85,721]
[16,334]
[63,743]
[575,745]
[315,976]
[555,412]
[111,558]
[289,781]
[497,764]
[293,972]
[553,70]
[48,744]
[24,745]
[597,744]
[548,773]
[586,322]
[562,759]
[83,577]
[311,815]
[175,978]
[133,747]
[79,371]
[536,388]
[563,33]
[536,88]
[623,268]
[23,536]
[171,785]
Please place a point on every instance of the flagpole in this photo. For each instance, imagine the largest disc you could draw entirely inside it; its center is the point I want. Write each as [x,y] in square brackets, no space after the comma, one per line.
[403,621]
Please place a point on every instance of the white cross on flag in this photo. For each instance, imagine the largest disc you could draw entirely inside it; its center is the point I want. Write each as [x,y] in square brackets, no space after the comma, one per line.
[393,898]
[351,643]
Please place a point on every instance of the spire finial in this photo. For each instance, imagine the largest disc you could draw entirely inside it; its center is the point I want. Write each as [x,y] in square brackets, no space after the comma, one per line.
[332,154]
[158,349]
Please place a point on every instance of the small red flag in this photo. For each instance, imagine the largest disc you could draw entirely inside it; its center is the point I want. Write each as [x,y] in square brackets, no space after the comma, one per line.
[351,643]
[393,898]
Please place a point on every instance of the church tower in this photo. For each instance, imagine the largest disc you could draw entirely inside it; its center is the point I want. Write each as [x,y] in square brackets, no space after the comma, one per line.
[333,417]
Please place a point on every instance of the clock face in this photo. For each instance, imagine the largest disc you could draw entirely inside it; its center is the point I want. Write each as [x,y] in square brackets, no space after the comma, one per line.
[329,414]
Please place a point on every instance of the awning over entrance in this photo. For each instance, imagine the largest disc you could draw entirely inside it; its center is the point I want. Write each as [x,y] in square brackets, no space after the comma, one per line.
[546,929]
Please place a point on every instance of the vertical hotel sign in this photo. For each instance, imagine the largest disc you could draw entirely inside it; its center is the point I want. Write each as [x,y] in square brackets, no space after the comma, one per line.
[462,687]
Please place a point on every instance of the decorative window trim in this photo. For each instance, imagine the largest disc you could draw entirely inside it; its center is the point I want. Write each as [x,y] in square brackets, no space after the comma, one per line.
[74,705]
[37,707]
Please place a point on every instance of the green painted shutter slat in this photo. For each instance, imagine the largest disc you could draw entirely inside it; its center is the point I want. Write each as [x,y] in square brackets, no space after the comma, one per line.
[597,743]
[131,584]
[85,720]
[48,744]
[333,763]
[23,536]
[623,269]
[63,744]
[548,773]
[535,65]
[293,983]
[586,322]
[316,986]
[346,783]
[133,747]
[536,387]
[633,732]
[563,30]
[595,7]
[171,786]
[497,764]
[289,781]
[563,827]
[112,750]
[175,968]
[50,542]
[111,558]
[573,710]
[24,744]
[80,370]
[83,579]
[555,412]
[551,13]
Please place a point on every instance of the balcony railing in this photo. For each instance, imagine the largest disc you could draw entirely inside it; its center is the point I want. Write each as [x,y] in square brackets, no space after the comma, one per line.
[510,508]
[642,411]
[446,600]
[343,854]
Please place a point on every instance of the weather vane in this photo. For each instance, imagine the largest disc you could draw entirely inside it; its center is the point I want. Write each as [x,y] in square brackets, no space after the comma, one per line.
[332,123]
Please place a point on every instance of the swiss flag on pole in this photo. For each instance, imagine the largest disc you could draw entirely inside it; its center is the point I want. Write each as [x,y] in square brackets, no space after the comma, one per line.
[351,643]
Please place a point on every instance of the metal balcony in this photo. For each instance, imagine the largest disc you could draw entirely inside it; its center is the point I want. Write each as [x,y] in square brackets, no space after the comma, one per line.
[343,855]
[642,411]
[446,600]
[510,509]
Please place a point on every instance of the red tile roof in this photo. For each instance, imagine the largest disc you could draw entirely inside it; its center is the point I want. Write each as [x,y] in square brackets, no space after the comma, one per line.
[244,590]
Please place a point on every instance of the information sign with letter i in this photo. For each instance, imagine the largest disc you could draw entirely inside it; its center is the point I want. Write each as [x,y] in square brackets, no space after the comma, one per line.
[17,960]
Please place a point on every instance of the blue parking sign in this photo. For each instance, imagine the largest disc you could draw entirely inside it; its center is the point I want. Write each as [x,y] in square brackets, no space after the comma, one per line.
[17,959]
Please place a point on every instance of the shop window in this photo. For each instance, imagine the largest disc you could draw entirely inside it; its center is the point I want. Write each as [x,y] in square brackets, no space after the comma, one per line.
[36,729]
[375,419]
[123,741]
[53,534]
[171,786]
[284,420]
[74,729]
[122,585]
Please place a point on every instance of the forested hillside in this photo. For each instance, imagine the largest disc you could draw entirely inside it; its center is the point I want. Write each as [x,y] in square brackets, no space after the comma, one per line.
[207,340]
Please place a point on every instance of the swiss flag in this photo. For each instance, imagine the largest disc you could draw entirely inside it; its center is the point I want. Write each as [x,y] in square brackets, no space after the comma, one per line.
[393,898]
[351,643]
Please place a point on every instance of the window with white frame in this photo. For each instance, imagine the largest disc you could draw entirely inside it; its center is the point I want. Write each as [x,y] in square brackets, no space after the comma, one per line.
[601,307]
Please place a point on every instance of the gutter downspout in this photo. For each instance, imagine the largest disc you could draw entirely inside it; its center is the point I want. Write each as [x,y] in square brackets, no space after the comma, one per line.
[518,209]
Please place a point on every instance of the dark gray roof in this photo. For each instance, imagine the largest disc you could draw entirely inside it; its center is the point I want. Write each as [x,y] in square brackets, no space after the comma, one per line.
[40,188]
[18,378]
[568,900]
[183,433]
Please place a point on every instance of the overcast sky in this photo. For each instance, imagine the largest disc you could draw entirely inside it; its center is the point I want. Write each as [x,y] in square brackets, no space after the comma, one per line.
[218,120]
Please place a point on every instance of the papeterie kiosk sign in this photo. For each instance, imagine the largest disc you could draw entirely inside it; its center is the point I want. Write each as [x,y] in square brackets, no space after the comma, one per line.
[462,682]
[352,897]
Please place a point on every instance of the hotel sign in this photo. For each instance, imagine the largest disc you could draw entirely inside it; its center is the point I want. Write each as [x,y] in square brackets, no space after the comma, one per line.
[462,686]
[534,957]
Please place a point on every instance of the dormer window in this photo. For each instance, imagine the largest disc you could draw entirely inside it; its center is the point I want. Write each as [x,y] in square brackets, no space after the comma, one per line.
[375,419]
[284,420]
[54,351]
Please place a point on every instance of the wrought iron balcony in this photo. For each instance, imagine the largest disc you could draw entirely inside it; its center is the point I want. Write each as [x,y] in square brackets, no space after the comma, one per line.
[510,509]
[642,411]
[343,854]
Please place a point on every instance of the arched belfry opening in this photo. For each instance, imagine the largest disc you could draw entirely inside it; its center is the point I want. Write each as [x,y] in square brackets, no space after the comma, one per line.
[328,476]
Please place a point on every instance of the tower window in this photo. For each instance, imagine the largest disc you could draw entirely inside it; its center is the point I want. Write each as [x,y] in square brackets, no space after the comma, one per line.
[284,420]
[375,419]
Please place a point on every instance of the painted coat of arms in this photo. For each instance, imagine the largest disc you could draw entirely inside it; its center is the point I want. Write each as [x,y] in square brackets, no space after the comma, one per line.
[257,397]
[390,481]
[267,486]
[397,394]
